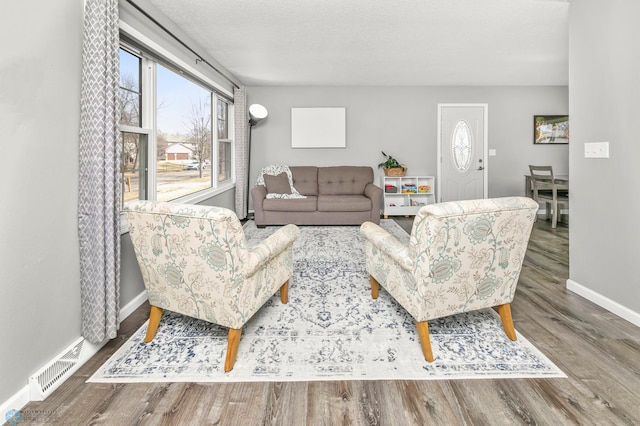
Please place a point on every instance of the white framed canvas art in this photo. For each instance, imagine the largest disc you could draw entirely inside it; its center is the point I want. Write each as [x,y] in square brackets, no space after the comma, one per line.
[318,127]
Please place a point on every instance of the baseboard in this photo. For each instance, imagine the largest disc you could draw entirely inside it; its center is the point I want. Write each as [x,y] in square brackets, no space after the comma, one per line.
[128,309]
[16,402]
[24,395]
[604,302]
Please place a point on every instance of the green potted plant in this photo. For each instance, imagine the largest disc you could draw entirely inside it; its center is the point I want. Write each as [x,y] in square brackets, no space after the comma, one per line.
[392,167]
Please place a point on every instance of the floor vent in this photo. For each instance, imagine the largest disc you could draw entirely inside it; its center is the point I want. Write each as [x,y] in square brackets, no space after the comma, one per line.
[52,375]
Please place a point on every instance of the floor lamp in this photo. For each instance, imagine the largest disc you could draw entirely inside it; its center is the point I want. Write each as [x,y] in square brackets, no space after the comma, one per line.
[257,113]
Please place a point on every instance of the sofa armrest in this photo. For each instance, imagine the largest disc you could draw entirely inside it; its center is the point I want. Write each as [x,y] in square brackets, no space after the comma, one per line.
[374,193]
[258,194]
[388,244]
[272,246]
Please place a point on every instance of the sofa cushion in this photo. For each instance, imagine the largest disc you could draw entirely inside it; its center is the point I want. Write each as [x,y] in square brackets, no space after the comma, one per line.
[343,203]
[305,179]
[309,204]
[344,180]
[278,184]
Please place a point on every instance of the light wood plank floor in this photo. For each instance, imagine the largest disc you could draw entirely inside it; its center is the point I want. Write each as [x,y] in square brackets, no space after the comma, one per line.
[598,351]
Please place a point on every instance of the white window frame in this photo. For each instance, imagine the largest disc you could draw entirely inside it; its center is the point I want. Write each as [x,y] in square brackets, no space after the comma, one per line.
[149,124]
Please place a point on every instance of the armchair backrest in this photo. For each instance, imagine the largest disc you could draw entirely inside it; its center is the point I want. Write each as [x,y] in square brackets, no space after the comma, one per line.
[470,252]
[180,247]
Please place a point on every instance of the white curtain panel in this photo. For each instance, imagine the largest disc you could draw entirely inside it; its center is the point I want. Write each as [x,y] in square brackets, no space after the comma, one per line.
[99,174]
[241,123]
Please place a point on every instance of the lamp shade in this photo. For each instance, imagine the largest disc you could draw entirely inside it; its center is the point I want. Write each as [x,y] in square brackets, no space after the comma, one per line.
[257,113]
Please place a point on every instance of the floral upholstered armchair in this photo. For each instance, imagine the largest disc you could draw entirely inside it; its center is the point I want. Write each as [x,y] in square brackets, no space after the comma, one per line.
[462,256]
[195,261]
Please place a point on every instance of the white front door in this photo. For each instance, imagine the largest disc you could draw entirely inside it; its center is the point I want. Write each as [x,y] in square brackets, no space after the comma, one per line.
[462,150]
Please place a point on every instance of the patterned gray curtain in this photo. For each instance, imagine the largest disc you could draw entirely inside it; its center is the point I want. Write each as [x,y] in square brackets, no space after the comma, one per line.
[99,174]
[241,123]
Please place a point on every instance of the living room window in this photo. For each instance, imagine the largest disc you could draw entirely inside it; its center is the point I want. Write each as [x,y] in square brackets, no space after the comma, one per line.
[167,131]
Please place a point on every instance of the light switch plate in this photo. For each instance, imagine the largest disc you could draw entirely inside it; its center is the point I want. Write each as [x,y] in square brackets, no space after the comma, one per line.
[492,153]
[596,150]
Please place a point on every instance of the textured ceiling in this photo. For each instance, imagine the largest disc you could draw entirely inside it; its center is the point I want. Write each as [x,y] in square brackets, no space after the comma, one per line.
[381,42]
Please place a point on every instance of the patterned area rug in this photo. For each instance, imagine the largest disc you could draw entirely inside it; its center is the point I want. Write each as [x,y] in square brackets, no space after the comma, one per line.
[330,330]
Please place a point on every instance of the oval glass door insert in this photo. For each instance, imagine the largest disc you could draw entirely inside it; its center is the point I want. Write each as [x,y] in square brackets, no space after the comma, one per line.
[461,146]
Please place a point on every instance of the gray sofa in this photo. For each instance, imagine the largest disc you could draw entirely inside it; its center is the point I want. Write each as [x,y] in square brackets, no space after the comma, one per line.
[342,195]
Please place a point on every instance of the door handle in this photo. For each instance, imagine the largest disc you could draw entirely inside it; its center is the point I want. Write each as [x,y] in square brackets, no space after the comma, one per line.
[480,168]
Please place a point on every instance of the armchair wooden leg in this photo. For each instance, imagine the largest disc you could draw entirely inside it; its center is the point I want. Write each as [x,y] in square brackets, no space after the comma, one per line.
[425,343]
[507,320]
[154,321]
[233,342]
[375,287]
[284,292]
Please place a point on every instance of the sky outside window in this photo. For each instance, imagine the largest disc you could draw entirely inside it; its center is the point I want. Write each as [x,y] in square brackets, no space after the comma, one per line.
[176,98]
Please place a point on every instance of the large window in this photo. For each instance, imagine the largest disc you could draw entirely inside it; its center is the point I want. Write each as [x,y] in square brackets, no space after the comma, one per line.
[169,132]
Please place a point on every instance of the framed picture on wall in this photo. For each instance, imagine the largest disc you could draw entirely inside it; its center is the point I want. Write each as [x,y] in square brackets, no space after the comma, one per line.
[550,129]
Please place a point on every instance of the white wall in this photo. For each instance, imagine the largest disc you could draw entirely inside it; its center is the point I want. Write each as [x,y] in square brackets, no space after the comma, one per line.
[40,69]
[402,121]
[604,64]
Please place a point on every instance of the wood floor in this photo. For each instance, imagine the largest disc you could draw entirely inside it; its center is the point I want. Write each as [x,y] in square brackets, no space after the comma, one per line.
[599,352]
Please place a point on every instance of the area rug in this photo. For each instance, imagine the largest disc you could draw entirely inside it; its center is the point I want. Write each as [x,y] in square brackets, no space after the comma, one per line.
[331,329]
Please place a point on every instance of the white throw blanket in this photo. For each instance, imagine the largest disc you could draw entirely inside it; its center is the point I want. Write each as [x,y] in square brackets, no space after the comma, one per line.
[275,170]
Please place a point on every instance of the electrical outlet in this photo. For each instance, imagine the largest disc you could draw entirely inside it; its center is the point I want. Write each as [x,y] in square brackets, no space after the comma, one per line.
[596,150]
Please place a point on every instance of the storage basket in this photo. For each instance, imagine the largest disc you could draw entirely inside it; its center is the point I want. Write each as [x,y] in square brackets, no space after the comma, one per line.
[396,171]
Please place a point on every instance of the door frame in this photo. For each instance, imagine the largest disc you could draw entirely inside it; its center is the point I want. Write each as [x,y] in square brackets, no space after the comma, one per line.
[485,148]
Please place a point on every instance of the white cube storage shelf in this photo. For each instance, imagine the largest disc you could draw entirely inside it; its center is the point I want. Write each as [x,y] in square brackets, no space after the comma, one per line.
[412,192]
